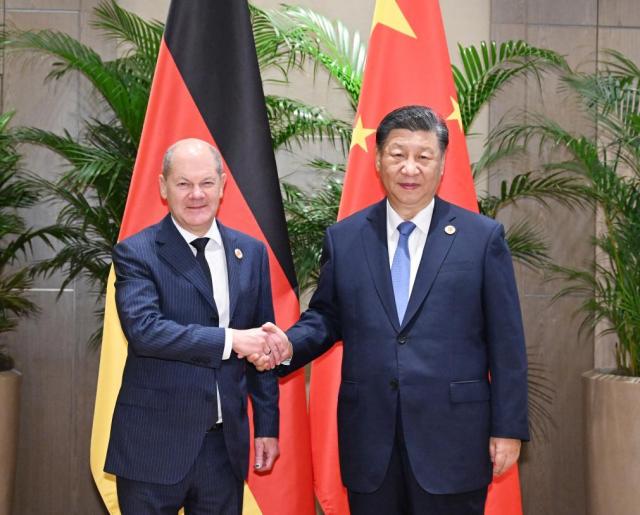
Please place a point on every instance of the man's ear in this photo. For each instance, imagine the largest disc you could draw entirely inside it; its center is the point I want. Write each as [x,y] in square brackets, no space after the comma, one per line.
[223,183]
[377,160]
[163,186]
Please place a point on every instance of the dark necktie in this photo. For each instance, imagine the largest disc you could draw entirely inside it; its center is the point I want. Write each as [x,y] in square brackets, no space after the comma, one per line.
[200,244]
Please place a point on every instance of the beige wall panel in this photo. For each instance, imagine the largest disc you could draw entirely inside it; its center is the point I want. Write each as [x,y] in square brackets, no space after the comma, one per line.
[511,99]
[552,470]
[567,234]
[507,105]
[623,40]
[52,105]
[44,5]
[468,23]
[562,12]
[508,11]
[84,497]
[624,13]
[578,45]
[151,9]
[57,406]
[42,348]
[91,36]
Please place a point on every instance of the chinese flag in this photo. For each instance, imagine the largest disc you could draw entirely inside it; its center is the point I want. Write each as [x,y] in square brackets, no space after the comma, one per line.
[207,85]
[407,63]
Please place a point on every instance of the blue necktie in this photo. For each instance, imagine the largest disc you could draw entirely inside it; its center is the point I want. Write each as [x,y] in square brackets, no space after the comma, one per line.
[401,269]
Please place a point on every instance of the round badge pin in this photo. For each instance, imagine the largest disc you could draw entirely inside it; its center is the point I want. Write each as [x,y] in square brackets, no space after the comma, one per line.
[450,229]
[239,254]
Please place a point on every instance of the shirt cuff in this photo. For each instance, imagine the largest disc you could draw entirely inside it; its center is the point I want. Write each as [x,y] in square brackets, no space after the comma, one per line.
[287,361]
[228,343]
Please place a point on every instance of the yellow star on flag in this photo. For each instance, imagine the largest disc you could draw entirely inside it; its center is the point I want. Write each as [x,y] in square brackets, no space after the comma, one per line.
[387,12]
[360,135]
[455,114]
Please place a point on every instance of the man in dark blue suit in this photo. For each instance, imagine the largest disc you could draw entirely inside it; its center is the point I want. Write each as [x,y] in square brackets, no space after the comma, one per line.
[434,372]
[180,432]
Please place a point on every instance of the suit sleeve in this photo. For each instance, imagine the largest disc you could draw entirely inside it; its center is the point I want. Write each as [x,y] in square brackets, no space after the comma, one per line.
[263,386]
[319,326]
[149,333]
[505,340]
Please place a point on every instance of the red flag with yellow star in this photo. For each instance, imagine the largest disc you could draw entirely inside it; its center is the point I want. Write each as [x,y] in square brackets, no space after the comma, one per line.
[407,63]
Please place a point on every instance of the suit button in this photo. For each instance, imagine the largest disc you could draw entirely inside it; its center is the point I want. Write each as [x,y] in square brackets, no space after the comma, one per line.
[402,339]
[394,384]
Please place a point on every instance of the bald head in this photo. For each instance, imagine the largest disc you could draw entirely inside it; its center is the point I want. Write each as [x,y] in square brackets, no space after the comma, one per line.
[192,182]
[190,147]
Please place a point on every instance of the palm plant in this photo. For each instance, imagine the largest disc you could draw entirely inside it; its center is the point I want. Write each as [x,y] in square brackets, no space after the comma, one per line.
[99,161]
[93,187]
[610,165]
[16,191]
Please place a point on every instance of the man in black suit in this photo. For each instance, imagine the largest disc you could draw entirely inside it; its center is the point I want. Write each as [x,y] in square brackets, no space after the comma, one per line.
[433,397]
[180,432]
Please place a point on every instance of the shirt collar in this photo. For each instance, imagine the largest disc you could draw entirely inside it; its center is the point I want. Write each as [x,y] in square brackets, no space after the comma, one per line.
[422,218]
[213,233]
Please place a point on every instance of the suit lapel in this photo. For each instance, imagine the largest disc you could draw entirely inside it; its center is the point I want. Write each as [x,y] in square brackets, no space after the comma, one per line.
[230,244]
[374,237]
[435,250]
[175,251]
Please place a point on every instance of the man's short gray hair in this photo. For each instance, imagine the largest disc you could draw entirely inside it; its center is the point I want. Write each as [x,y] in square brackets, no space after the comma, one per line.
[168,156]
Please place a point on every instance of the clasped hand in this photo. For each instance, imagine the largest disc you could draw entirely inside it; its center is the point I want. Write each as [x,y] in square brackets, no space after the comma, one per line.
[266,347]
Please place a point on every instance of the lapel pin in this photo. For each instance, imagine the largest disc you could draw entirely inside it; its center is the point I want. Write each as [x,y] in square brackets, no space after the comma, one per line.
[239,254]
[450,229]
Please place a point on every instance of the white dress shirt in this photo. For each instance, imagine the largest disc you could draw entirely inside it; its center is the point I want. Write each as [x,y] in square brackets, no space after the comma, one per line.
[417,238]
[217,261]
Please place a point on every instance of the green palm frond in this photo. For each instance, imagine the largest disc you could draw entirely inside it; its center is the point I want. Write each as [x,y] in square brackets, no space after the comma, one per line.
[485,71]
[541,395]
[527,245]
[308,216]
[126,102]
[128,28]
[330,45]
[271,47]
[619,66]
[292,121]
[16,191]
[327,166]
[609,166]
[560,187]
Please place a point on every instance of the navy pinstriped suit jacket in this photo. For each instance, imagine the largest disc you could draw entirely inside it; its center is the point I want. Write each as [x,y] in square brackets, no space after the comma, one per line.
[462,322]
[168,394]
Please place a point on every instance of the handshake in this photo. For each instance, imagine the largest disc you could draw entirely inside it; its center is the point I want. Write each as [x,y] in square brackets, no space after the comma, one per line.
[266,347]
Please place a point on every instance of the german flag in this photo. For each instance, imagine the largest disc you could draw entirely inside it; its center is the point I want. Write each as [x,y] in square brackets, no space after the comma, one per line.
[407,63]
[207,86]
